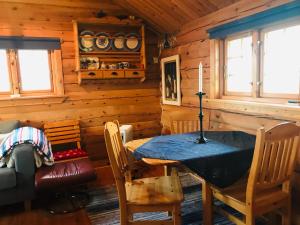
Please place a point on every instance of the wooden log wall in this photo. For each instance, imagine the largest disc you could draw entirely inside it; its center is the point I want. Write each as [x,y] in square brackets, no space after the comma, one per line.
[93,102]
[194,46]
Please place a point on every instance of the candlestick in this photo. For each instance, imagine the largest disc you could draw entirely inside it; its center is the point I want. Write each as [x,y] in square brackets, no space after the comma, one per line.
[201,139]
[200,76]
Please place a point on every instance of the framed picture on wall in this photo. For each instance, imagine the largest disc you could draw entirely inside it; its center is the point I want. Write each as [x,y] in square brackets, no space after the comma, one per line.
[170,67]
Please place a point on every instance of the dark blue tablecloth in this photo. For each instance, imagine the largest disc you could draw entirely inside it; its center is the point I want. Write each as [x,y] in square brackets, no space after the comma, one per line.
[221,161]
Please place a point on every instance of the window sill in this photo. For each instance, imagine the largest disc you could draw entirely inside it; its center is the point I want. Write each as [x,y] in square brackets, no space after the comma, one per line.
[279,111]
[31,100]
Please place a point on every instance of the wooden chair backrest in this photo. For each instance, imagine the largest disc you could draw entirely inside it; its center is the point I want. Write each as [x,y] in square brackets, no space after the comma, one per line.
[274,158]
[62,132]
[184,122]
[117,157]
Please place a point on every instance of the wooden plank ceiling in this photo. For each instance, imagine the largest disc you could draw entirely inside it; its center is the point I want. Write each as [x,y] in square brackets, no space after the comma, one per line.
[168,16]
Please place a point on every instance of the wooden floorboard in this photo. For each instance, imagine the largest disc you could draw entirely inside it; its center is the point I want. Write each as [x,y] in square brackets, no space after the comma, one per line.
[15,215]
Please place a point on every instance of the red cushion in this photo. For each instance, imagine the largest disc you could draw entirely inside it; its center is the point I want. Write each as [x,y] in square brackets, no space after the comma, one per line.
[69,154]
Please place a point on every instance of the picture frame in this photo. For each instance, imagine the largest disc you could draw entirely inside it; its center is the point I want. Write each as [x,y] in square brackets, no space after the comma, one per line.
[171,93]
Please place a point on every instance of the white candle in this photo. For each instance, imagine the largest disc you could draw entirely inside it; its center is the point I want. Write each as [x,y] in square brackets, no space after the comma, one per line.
[200,76]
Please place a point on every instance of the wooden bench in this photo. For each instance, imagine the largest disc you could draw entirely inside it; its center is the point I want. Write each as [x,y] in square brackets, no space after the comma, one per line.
[65,132]
[67,173]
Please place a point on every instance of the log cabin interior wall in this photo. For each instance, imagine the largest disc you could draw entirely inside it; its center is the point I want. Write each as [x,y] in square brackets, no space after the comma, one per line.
[93,102]
[194,46]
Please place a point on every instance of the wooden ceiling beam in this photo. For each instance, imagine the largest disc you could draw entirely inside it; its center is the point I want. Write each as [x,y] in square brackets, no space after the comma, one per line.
[168,16]
[92,4]
[137,8]
[164,14]
[207,6]
[153,13]
[196,6]
[222,3]
[174,11]
[189,11]
[136,12]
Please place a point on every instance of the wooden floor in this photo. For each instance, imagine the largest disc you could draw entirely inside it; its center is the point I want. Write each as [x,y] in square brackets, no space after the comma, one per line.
[15,215]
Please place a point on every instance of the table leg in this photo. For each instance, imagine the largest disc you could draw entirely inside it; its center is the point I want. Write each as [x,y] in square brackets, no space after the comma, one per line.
[207,199]
[167,170]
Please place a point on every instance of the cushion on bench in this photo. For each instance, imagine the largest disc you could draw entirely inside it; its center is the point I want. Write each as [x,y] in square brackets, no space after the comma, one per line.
[69,154]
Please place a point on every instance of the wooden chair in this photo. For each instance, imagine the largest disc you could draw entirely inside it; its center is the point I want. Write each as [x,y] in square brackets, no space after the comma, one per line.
[65,132]
[62,132]
[268,187]
[183,122]
[141,195]
[72,168]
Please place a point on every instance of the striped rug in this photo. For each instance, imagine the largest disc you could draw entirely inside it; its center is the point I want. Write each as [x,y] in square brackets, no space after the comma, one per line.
[103,206]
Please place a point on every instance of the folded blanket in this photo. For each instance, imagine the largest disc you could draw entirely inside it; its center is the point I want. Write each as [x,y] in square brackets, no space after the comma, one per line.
[24,135]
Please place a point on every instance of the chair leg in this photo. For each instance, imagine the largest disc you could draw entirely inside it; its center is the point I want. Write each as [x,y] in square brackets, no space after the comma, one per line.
[176,214]
[130,217]
[123,217]
[250,219]
[286,215]
[166,170]
[27,205]
[207,202]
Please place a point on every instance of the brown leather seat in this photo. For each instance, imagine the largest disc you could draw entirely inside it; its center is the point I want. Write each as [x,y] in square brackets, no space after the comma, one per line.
[64,174]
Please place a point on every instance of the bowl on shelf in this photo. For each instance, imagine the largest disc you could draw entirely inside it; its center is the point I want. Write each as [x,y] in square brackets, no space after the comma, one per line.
[112,66]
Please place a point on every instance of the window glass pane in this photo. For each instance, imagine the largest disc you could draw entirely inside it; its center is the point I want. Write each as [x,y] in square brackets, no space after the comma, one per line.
[281,61]
[4,72]
[34,70]
[239,65]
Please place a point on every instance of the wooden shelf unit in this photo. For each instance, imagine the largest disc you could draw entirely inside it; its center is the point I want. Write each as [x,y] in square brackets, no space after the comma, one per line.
[111,25]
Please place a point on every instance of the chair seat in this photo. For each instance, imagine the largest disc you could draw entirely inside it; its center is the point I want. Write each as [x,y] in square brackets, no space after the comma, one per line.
[154,190]
[235,196]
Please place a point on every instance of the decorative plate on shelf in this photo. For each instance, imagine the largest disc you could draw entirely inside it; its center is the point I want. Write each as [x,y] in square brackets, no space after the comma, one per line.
[103,42]
[132,42]
[118,41]
[86,40]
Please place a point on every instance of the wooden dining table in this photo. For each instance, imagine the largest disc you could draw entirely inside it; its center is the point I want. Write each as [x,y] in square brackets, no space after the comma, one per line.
[207,162]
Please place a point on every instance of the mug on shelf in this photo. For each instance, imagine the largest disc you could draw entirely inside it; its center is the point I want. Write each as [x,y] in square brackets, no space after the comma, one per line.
[112,66]
[125,65]
[103,66]
[120,65]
